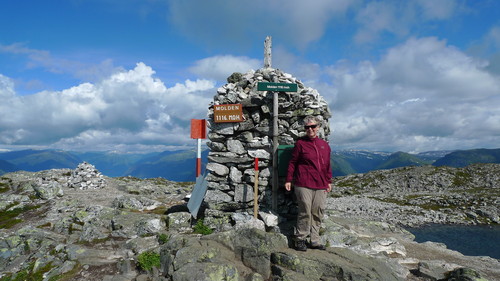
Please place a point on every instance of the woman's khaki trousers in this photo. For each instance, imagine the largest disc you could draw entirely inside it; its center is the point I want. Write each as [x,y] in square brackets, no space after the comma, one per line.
[311,204]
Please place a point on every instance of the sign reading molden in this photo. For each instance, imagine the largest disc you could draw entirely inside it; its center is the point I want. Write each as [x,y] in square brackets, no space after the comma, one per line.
[228,113]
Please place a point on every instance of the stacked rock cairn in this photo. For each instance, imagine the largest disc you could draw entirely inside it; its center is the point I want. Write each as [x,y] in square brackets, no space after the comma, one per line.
[86,176]
[234,146]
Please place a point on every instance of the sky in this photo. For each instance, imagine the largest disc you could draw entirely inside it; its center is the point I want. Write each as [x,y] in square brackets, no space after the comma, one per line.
[129,75]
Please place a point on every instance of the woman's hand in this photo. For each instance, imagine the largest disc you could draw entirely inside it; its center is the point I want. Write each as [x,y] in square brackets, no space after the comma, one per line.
[288,186]
[329,187]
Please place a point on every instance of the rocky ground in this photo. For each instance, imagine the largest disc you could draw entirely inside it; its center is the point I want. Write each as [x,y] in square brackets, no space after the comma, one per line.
[80,225]
[414,196]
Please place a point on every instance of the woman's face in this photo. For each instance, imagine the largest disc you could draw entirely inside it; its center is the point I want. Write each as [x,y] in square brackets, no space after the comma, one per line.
[311,129]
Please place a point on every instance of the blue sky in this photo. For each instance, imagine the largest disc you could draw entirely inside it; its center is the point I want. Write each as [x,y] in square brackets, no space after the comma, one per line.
[128,75]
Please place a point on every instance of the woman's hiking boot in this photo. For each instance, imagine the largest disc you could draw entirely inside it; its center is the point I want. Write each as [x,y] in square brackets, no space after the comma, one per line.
[317,246]
[300,245]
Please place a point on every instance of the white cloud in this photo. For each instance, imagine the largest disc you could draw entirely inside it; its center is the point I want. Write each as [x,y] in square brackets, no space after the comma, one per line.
[221,67]
[377,17]
[422,95]
[432,65]
[87,71]
[493,37]
[128,108]
[221,22]
[304,70]
[438,10]
[489,47]
[398,18]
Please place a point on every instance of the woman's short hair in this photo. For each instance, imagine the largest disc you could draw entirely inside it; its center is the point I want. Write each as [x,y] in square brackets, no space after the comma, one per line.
[311,119]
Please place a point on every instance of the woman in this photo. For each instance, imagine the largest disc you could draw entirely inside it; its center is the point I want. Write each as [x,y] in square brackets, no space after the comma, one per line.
[309,169]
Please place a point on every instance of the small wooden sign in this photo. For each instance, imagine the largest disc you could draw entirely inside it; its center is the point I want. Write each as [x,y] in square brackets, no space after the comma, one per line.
[225,113]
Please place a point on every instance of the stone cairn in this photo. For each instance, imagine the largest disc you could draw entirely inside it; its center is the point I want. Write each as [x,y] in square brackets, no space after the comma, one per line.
[86,176]
[233,146]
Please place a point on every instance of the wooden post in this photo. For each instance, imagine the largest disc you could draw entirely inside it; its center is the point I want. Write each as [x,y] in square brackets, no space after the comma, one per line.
[256,189]
[198,131]
[267,64]
[274,195]
[267,52]
[198,159]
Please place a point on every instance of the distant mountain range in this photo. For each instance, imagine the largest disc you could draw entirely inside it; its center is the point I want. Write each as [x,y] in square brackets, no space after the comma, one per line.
[358,161]
[180,165]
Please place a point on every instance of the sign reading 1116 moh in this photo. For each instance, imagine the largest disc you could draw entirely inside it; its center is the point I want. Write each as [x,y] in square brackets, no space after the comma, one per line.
[228,113]
[277,87]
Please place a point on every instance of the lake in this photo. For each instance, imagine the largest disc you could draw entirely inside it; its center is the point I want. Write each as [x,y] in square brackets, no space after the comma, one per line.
[469,240]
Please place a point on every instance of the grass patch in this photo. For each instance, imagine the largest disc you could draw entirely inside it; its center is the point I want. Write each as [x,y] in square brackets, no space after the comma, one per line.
[345,183]
[148,260]
[201,228]
[4,187]
[163,238]
[186,183]
[45,225]
[28,274]
[94,242]
[9,218]
[462,178]
[158,181]
[434,207]
[130,179]
[391,200]
[67,276]
[157,211]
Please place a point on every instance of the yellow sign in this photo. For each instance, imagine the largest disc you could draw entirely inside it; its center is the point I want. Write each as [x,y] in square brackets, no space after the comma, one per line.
[228,113]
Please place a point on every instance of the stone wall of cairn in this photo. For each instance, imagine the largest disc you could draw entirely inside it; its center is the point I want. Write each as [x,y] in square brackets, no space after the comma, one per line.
[233,146]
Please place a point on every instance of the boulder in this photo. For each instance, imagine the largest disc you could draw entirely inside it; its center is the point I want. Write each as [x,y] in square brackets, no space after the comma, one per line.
[436,269]
[135,203]
[48,190]
[180,222]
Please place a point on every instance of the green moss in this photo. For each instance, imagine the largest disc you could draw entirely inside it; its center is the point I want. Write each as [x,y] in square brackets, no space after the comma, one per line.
[10,223]
[159,181]
[148,260]
[430,206]
[201,228]
[391,200]
[7,277]
[163,238]
[322,231]
[45,225]
[345,183]
[94,242]
[413,196]
[461,178]
[67,276]
[28,274]
[26,246]
[9,218]
[4,187]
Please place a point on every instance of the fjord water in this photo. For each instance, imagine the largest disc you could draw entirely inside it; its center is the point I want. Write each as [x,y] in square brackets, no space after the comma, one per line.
[476,240]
